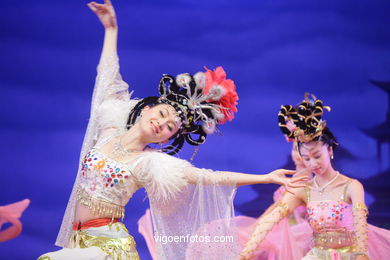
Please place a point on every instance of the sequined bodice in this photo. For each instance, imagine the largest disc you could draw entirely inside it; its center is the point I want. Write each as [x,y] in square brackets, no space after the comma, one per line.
[106,179]
[329,215]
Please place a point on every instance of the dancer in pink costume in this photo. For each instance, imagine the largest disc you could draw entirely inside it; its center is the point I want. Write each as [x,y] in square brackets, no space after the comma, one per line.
[117,159]
[337,214]
[11,214]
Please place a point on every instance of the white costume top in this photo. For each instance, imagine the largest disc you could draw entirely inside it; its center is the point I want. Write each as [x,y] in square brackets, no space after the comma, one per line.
[106,185]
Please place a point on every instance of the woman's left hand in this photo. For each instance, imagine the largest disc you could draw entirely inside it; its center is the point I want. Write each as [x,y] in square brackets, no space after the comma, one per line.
[279,177]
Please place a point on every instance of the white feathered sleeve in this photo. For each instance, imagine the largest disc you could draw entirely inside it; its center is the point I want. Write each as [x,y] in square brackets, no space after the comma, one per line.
[162,175]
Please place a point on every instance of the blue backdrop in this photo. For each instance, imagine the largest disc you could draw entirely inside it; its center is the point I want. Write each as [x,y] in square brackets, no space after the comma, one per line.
[274,50]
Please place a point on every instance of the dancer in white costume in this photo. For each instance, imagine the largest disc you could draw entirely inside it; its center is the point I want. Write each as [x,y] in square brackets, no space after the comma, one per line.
[116,160]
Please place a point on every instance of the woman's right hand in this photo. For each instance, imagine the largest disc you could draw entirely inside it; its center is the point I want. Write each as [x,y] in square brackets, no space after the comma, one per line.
[105,12]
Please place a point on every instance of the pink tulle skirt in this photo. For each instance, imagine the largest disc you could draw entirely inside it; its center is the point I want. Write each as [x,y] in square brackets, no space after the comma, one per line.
[284,242]
[145,227]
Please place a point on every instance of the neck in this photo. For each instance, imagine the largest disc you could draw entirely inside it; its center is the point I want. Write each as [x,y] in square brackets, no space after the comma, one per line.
[328,175]
[132,139]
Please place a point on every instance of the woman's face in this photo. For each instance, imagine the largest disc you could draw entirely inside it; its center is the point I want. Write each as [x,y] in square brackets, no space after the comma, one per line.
[159,123]
[316,156]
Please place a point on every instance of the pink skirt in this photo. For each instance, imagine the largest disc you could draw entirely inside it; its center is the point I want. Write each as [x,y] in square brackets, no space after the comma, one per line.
[283,242]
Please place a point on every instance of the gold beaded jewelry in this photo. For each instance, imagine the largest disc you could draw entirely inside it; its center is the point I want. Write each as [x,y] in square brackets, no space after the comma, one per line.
[360,213]
[360,206]
[266,222]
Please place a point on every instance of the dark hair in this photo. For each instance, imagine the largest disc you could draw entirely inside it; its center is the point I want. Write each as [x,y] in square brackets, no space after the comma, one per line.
[326,137]
[306,116]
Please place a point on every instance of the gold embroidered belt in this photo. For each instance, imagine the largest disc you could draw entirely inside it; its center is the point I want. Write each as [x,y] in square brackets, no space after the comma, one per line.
[333,239]
[100,207]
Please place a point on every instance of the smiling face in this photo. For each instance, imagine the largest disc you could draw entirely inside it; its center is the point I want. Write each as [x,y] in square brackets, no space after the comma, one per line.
[316,156]
[159,123]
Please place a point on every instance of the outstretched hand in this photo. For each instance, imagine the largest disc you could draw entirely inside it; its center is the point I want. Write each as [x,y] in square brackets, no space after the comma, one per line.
[280,177]
[105,12]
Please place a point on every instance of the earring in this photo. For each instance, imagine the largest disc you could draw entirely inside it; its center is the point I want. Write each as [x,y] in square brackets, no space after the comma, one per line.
[332,157]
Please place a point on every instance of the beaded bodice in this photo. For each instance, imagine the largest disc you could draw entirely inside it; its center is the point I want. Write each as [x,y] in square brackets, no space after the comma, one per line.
[106,185]
[330,215]
[331,219]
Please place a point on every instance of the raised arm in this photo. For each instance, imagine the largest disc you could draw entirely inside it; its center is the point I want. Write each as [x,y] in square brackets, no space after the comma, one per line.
[109,83]
[111,98]
[106,14]
[266,222]
[359,210]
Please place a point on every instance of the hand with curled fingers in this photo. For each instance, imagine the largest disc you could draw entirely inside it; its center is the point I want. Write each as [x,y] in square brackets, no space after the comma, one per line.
[290,183]
[105,12]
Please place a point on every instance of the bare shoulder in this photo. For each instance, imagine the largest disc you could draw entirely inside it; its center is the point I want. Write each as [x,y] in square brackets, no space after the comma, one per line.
[354,185]
[350,182]
[355,190]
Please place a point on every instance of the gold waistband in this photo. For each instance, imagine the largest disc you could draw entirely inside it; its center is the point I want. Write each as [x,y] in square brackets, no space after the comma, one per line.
[329,253]
[333,239]
[100,207]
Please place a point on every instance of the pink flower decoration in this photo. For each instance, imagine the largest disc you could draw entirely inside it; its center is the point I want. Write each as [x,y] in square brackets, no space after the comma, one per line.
[292,127]
[228,102]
